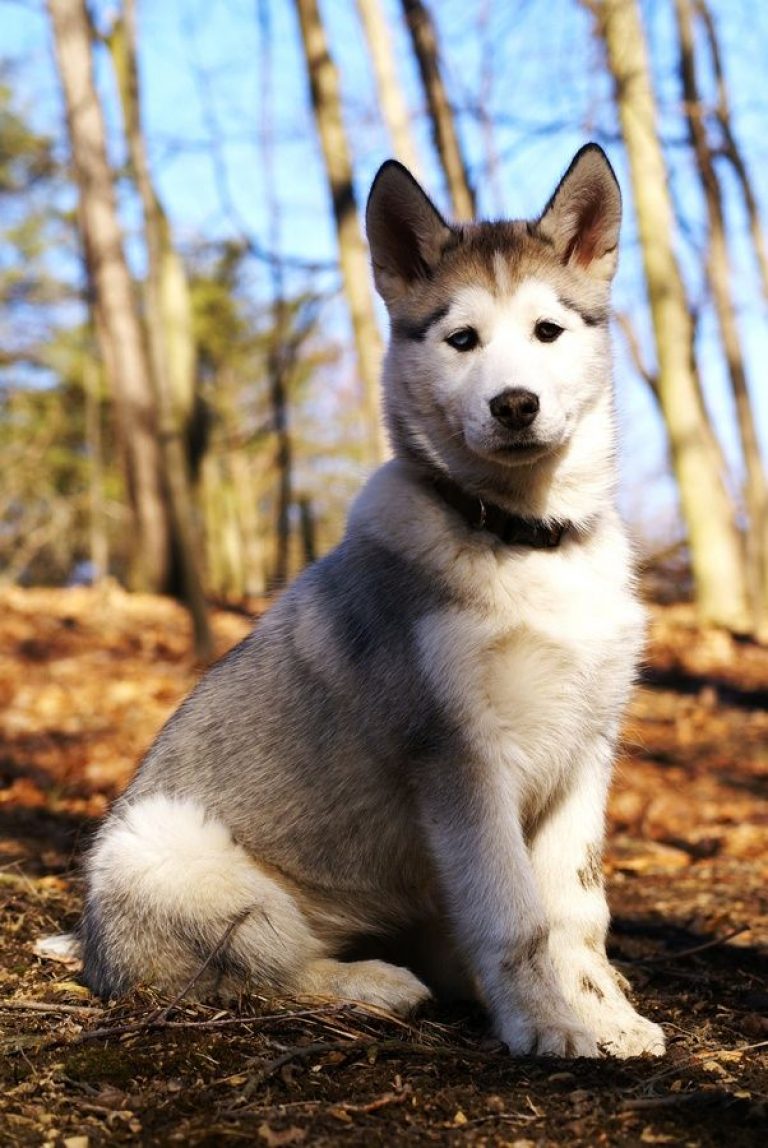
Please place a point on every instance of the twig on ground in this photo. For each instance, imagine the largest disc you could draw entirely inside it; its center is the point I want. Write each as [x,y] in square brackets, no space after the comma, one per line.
[157,1023]
[49,1006]
[740,1048]
[664,957]
[164,1013]
[239,1021]
[382,1101]
[317,1048]
[701,1096]
[692,1058]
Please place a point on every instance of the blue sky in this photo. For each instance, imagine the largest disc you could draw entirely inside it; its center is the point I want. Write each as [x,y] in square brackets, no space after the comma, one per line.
[535,66]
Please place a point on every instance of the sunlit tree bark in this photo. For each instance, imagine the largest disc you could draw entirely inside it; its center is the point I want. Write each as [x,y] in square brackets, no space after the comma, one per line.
[169,328]
[326,102]
[276,352]
[98,543]
[425,47]
[118,324]
[730,148]
[390,93]
[715,544]
[720,279]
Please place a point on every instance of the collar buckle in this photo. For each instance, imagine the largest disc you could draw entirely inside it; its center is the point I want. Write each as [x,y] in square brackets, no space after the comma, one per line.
[479,522]
[510,529]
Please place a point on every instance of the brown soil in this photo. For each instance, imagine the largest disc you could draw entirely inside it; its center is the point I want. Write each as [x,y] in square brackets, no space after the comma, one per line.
[86,678]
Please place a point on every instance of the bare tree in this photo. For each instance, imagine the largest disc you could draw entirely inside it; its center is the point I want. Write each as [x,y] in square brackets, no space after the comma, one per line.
[390,92]
[326,102]
[118,325]
[276,353]
[425,46]
[730,148]
[720,277]
[168,320]
[715,543]
[97,531]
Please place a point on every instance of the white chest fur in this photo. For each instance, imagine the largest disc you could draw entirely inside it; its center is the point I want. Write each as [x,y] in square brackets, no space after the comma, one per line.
[539,661]
[535,651]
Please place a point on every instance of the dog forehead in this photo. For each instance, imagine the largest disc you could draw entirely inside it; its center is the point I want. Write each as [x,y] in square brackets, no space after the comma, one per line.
[491,259]
[497,256]
[509,295]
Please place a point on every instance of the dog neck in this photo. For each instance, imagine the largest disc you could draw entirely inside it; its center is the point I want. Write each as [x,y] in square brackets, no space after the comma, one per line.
[511,529]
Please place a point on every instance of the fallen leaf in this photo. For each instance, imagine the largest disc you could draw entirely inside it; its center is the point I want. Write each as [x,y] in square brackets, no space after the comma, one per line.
[277,1137]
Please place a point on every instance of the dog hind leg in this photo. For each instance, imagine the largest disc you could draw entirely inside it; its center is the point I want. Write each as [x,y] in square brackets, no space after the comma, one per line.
[169,887]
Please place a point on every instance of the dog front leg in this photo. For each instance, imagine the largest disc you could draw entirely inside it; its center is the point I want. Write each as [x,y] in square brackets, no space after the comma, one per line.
[566,853]
[472,819]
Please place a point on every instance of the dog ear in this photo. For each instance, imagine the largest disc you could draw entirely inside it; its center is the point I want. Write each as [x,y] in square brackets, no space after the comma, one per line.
[583,217]
[406,232]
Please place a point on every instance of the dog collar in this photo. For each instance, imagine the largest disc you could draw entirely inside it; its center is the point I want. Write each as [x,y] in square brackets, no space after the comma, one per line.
[510,528]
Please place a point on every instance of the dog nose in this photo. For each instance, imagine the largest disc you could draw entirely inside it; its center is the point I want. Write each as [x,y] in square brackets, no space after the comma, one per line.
[515,408]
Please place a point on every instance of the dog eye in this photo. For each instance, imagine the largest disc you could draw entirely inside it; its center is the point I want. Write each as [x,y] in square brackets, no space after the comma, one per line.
[466,339]
[547,332]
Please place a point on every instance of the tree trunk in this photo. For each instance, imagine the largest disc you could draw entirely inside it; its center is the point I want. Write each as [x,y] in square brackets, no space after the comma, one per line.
[249,524]
[720,279]
[283,457]
[98,545]
[715,544]
[276,354]
[169,329]
[731,148]
[388,87]
[308,535]
[224,539]
[424,39]
[118,326]
[324,87]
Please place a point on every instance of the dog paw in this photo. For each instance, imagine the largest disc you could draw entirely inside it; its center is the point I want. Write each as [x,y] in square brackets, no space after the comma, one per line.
[390,987]
[562,1038]
[631,1035]
[374,983]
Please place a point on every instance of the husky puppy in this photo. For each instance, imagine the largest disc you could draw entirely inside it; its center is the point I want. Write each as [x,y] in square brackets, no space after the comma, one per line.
[416,741]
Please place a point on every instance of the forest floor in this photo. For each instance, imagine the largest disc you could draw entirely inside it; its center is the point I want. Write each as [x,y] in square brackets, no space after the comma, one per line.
[87,677]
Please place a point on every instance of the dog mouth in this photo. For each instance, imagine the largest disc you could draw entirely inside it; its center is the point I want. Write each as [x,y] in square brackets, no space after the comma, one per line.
[509,451]
[521,447]
[522,451]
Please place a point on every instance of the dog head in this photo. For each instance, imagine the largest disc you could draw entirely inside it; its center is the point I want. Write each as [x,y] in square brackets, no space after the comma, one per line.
[499,339]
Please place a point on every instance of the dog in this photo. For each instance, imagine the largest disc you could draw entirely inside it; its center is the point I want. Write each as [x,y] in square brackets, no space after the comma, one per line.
[398,780]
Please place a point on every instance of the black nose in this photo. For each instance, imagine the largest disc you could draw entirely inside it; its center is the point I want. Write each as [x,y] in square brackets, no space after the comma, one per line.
[515,408]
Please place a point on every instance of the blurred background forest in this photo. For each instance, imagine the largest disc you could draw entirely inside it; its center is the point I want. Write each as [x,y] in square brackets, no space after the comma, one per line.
[189,343]
[189,358]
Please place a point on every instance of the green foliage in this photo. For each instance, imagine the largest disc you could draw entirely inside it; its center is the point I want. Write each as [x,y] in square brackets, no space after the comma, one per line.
[237,341]
[39,277]
[45,354]
[54,467]
[259,368]
[220,322]
[26,157]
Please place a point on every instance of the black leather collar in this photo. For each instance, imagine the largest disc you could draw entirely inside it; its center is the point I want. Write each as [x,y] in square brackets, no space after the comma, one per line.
[510,528]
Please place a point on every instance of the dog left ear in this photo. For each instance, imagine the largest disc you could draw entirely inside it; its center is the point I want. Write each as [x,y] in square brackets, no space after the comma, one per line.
[406,232]
[583,217]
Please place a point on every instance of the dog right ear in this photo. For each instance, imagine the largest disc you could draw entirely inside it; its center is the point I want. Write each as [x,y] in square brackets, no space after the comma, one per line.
[406,232]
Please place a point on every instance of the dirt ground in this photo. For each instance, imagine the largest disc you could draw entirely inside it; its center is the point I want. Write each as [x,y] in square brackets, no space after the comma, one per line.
[87,677]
